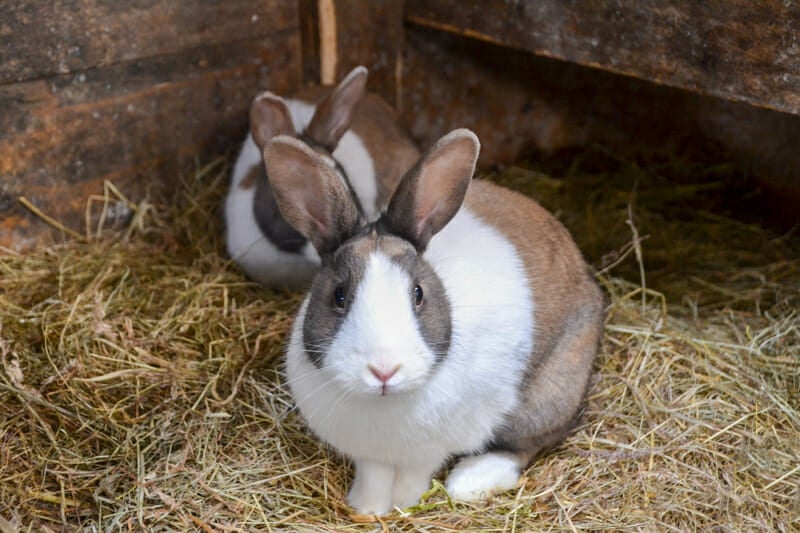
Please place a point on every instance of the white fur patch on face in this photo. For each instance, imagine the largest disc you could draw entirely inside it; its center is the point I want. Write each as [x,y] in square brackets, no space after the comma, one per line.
[483,476]
[380,334]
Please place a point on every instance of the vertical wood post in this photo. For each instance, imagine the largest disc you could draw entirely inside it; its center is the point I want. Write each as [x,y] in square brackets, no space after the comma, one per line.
[349,33]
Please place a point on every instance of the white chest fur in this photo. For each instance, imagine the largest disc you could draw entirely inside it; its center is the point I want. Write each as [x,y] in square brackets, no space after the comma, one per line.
[468,394]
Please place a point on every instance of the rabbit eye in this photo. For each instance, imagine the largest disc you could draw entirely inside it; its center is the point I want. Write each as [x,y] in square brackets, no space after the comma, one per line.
[339,297]
[418,294]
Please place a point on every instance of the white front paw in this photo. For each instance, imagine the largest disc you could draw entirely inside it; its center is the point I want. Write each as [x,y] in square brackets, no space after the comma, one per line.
[365,502]
[482,476]
[371,492]
[409,486]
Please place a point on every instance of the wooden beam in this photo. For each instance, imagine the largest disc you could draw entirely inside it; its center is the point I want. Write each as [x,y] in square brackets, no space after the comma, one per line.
[738,49]
[42,39]
[522,105]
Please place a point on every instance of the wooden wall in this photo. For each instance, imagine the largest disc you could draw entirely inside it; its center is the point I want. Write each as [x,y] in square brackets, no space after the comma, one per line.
[715,81]
[128,90]
[123,90]
[519,103]
[339,35]
[737,49]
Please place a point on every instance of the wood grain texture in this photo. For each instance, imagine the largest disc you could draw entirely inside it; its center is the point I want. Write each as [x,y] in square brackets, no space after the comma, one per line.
[738,49]
[133,122]
[370,33]
[521,105]
[42,39]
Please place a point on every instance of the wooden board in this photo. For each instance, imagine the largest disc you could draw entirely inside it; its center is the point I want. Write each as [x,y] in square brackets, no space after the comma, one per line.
[134,121]
[522,105]
[42,39]
[361,32]
[738,49]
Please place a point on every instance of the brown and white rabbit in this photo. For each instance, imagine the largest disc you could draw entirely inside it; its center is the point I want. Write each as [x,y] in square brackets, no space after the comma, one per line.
[356,133]
[463,322]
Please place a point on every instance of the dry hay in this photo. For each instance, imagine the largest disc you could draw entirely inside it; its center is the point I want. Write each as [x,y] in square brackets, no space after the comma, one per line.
[140,385]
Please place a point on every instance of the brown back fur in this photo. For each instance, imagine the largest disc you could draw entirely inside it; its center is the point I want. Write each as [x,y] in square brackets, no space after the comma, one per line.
[568,318]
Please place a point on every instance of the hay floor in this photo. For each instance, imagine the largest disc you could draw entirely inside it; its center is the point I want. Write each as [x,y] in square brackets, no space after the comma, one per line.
[140,382]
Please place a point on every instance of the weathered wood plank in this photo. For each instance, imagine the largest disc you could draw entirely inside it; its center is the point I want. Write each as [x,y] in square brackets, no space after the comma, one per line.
[737,49]
[521,104]
[41,39]
[363,32]
[130,122]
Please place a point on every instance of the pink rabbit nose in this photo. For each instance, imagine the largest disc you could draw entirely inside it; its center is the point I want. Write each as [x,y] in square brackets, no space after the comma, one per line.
[382,375]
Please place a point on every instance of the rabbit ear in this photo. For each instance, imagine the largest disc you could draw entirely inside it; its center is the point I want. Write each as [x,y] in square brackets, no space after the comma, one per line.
[310,195]
[335,113]
[269,117]
[432,192]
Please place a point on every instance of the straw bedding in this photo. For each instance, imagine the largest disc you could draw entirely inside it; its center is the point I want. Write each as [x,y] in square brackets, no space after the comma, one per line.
[140,383]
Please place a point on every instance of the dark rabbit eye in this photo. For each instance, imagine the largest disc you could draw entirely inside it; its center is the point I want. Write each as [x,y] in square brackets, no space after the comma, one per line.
[339,297]
[418,294]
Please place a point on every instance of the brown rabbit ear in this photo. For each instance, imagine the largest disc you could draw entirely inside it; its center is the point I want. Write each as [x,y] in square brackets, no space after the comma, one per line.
[431,193]
[309,193]
[269,117]
[335,113]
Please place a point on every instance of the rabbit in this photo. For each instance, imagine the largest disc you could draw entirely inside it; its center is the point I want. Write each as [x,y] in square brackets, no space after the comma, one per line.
[355,133]
[463,322]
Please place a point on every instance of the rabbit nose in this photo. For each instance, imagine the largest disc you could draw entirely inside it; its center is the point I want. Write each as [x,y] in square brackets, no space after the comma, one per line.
[383,375]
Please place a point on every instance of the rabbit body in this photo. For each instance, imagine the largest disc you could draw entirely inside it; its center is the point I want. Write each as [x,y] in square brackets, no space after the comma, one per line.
[258,256]
[462,330]
[373,153]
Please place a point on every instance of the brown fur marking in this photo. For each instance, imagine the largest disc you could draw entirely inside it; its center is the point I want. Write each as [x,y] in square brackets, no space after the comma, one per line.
[568,318]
